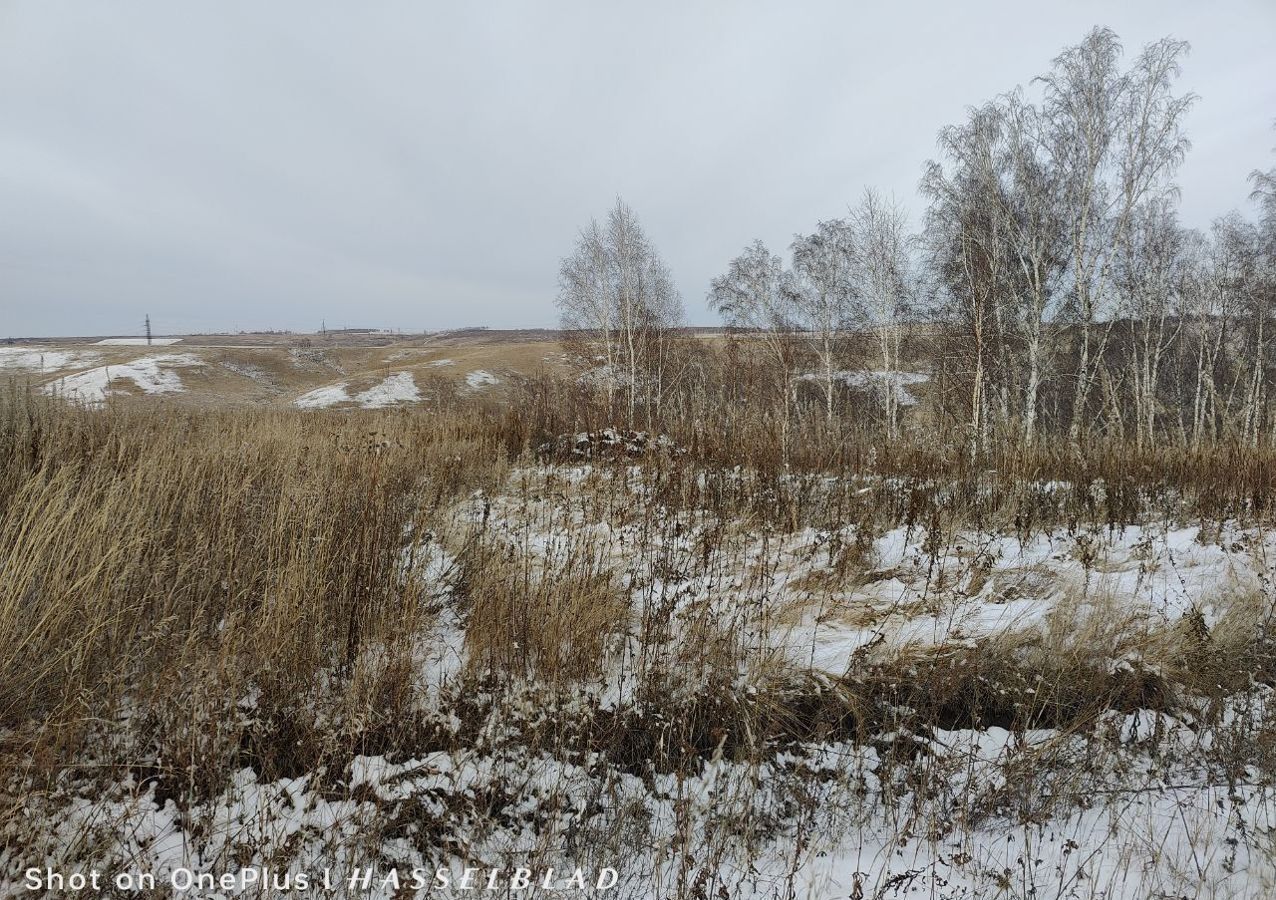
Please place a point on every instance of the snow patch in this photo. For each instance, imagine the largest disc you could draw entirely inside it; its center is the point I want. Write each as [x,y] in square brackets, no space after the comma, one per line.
[604,376]
[896,382]
[41,360]
[321,398]
[397,388]
[151,374]
[480,379]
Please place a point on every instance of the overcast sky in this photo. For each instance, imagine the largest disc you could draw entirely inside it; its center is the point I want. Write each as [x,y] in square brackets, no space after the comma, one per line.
[242,165]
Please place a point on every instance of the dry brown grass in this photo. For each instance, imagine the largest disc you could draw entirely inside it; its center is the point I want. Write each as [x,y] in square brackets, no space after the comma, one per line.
[154,553]
[553,622]
[141,541]
[159,565]
[274,373]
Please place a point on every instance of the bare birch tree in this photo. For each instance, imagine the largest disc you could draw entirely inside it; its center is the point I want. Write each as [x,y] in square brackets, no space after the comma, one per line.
[1207,309]
[1261,284]
[1252,287]
[1148,278]
[616,289]
[967,251]
[587,310]
[882,283]
[1115,140]
[822,288]
[751,297]
[1026,198]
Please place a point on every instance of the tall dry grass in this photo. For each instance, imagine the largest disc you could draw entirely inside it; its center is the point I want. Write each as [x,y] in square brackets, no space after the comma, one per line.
[144,543]
[152,558]
[159,567]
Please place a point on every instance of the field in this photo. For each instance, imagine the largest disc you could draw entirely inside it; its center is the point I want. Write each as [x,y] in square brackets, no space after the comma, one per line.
[485,627]
[937,561]
[358,369]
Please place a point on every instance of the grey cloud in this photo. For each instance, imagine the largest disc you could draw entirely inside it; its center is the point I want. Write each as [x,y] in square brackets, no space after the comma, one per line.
[224,165]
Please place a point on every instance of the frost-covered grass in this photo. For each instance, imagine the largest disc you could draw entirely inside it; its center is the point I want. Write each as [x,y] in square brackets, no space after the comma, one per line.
[233,639]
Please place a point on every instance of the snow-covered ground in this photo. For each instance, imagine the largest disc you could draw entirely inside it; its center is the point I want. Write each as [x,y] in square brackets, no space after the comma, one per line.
[898,382]
[480,378]
[1139,803]
[37,359]
[323,397]
[1140,811]
[999,583]
[391,391]
[911,587]
[394,389]
[150,374]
